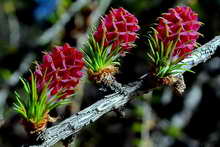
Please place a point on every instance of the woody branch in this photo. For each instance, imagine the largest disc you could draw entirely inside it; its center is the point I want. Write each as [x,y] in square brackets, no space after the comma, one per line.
[122,95]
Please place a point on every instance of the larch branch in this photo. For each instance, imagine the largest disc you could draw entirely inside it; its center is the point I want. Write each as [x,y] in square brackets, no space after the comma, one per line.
[119,98]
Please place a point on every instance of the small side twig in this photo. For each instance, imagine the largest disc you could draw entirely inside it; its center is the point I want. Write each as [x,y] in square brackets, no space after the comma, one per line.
[48,35]
[94,17]
[14,28]
[12,81]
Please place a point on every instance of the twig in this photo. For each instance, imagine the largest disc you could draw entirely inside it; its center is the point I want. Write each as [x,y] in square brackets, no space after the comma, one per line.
[14,28]
[93,19]
[201,54]
[76,122]
[48,35]
[147,117]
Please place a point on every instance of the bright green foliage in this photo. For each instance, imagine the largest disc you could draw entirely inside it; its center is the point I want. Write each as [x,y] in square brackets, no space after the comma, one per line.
[161,57]
[34,106]
[174,131]
[97,57]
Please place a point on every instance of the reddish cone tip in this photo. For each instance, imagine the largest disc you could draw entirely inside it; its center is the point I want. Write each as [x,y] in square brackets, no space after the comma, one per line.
[179,23]
[118,28]
[63,67]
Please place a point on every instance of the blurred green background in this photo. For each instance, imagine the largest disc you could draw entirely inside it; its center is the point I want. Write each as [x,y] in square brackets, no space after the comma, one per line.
[157,119]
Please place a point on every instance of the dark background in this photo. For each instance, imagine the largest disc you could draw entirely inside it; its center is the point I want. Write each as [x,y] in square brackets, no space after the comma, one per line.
[159,119]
